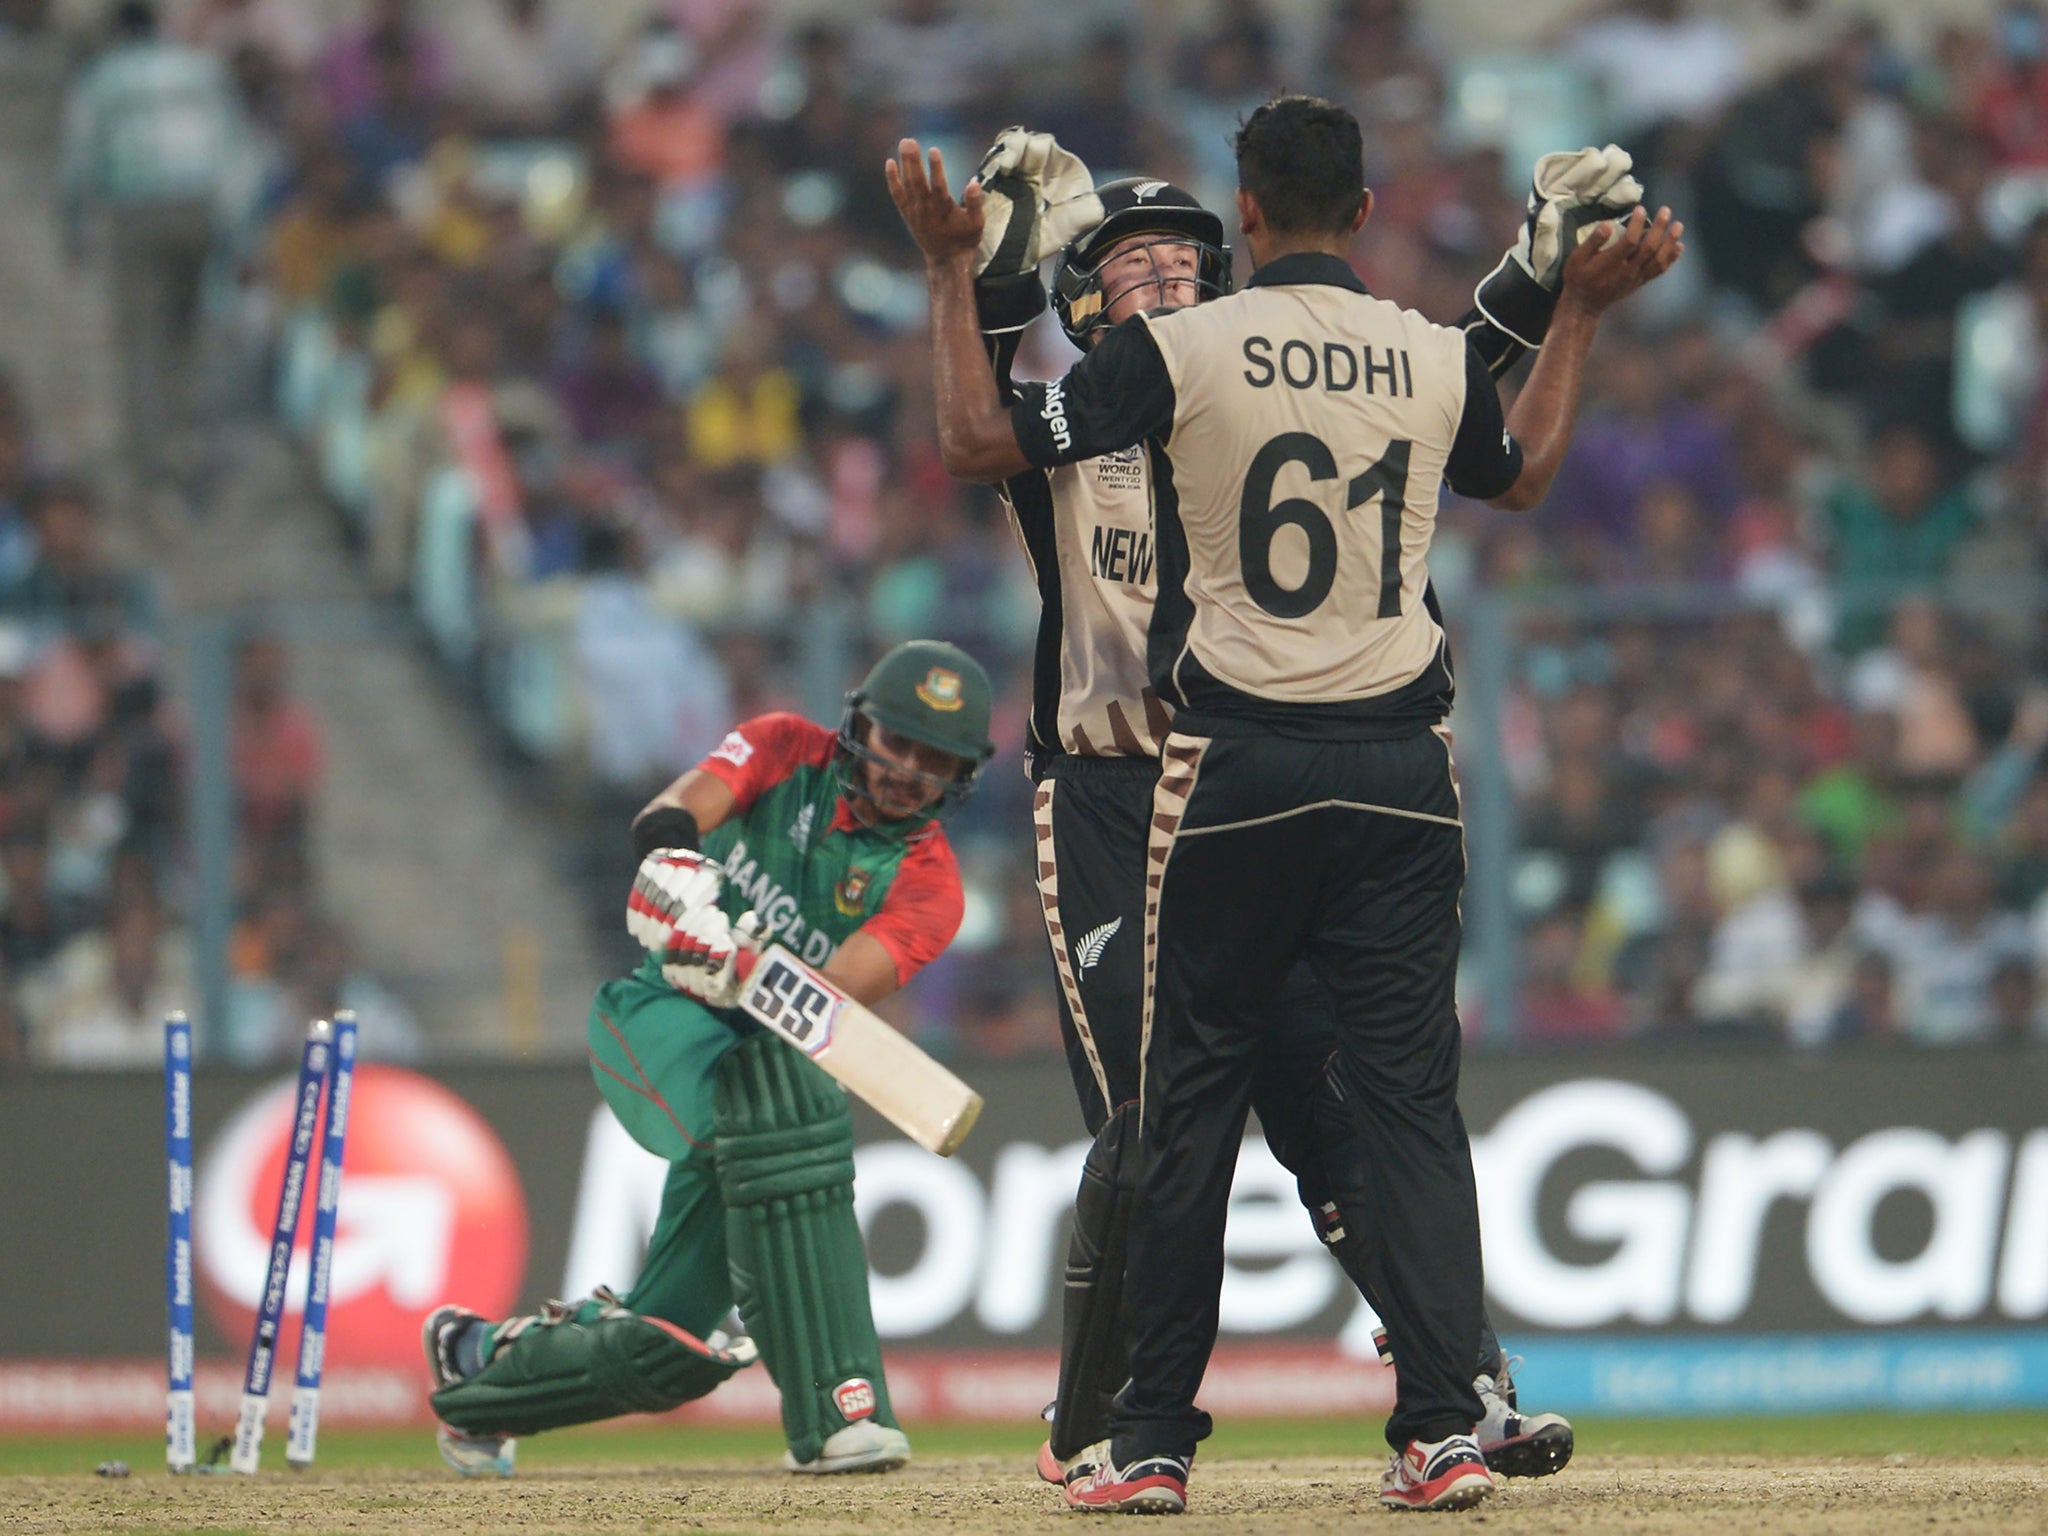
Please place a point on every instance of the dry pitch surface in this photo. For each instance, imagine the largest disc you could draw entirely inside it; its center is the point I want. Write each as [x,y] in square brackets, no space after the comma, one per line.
[1650,1494]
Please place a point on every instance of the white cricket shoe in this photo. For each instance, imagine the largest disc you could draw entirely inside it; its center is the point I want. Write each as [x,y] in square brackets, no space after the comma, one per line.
[863,1447]
[1518,1444]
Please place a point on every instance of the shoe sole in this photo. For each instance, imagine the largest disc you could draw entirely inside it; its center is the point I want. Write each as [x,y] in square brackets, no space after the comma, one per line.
[499,1464]
[1161,1499]
[1048,1468]
[1464,1491]
[1537,1455]
[875,1461]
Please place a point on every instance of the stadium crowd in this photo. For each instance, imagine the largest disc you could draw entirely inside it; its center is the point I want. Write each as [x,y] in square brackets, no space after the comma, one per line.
[94,763]
[604,338]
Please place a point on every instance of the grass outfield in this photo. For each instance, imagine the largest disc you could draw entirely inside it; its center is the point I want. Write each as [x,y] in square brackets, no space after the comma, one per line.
[1849,1434]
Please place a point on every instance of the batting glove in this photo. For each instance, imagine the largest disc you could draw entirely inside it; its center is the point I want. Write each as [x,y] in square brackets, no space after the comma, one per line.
[1572,191]
[1038,197]
[670,885]
[699,958]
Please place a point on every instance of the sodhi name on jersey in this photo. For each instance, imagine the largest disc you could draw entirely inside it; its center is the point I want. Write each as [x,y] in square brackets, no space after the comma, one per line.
[776,908]
[1333,365]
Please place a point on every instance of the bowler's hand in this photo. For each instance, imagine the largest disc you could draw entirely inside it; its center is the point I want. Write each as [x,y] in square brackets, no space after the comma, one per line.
[943,229]
[1613,261]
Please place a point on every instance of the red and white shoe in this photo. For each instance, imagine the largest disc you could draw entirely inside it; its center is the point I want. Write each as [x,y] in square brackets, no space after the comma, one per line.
[1437,1474]
[1152,1485]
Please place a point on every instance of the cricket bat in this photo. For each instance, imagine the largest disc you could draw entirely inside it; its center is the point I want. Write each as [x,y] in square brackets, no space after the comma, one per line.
[907,1088]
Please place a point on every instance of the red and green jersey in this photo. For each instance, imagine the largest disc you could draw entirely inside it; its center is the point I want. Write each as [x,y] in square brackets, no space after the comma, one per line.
[815,874]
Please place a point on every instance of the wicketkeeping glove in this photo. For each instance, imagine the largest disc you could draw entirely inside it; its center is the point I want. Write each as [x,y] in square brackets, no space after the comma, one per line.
[1572,191]
[670,885]
[1039,197]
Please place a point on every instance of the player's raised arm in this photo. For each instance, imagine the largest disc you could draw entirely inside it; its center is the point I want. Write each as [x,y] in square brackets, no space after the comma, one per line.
[1597,275]
[976,440]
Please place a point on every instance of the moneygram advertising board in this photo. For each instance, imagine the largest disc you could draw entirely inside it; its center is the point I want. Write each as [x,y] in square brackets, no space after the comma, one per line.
[1664,1232]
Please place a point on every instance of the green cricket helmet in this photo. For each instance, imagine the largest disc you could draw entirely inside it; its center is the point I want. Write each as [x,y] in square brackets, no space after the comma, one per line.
[929,692]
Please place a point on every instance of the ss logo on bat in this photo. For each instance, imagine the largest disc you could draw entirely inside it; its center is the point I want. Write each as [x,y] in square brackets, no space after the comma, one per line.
[793,1005]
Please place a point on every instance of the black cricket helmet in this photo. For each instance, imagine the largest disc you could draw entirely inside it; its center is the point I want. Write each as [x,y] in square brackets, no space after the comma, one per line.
[1135,205]
[930,692]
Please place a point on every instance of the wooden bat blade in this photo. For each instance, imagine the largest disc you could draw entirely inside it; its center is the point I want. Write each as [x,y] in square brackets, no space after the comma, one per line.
[899,1081]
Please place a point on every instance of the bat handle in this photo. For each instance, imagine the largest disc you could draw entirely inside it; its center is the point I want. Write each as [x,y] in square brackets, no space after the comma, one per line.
[749,941]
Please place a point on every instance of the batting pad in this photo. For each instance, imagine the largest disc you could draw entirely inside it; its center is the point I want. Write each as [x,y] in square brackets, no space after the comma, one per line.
[799,1274]
[1093,1364]
[579,1364]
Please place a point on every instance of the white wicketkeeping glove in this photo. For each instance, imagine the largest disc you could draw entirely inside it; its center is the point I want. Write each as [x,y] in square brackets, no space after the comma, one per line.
[1039,197]
[670,885]
[703,957]
[1572,191]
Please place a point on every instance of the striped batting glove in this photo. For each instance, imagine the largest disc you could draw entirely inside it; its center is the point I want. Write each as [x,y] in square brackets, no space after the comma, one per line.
[672,884]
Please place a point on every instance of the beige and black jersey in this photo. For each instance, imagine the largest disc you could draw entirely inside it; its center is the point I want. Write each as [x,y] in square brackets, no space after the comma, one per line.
[1086,529]
[1298,434]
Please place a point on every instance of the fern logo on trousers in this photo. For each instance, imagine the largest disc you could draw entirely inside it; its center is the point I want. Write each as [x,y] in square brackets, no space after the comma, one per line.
[1089,947]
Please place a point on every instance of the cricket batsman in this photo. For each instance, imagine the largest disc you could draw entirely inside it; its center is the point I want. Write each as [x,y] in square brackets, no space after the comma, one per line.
[830,843]
[1096,726]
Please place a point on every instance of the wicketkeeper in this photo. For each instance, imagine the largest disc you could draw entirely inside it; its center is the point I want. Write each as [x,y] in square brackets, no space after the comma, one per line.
[1096,726]
[828,842]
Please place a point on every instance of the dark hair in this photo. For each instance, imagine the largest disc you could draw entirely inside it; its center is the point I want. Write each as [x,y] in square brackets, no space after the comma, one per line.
[135,18]
[1303,161]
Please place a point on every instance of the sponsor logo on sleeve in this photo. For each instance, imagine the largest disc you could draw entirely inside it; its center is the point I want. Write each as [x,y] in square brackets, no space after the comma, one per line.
[1054,414]
[735,749]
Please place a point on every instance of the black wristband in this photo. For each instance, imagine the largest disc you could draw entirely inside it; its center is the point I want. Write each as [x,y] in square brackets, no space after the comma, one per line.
[668,826]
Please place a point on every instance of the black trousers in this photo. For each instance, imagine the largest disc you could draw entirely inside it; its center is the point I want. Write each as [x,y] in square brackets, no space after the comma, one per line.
[1347,856]
[1093,820]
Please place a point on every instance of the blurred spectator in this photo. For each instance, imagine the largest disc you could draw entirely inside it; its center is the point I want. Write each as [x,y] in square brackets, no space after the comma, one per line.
[393,128]
[276,752]
[1901,524]
[522,65]
[102,1001]
[316,231]
[305,969]
[1999,343]
[2015,1003]
[930,59]
[1944,955]
[609,395]
[285,33]
[1643,432]
[1559,1004]
[392,43]
[1099,121]
[1869,1013]
[656,695]
[1653,60]
[154,142]
[72,584]
[667,133]
[2011,112]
